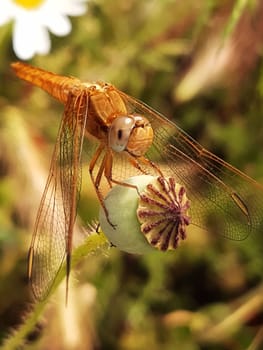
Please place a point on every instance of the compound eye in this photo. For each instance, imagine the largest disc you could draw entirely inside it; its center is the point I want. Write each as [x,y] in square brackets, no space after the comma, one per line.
[120,132]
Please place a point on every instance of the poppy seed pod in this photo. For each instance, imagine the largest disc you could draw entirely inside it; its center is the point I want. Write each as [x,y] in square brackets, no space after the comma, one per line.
[153,216]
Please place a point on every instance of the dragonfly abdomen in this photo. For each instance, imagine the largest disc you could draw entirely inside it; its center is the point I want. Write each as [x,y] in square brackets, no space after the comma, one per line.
[57,86]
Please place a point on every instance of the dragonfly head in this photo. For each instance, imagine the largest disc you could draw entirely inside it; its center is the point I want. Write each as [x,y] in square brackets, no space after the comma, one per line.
[132,133]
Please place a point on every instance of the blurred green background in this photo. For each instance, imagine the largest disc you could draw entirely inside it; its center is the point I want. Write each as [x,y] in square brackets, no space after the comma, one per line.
[198,63]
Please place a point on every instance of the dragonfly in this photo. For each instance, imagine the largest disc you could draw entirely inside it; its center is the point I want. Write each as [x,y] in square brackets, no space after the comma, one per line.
[122,137]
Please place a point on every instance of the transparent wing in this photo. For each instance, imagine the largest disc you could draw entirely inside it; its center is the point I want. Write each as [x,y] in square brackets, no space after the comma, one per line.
[52,236]
[223,199]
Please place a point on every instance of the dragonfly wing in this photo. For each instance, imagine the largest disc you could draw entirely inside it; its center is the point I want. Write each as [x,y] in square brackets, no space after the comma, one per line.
[222,197]
[52,236]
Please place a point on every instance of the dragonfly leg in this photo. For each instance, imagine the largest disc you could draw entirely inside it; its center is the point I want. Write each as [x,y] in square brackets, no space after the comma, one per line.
[137,161]
[107,159]
[136,164]
[108,173]
[151,164]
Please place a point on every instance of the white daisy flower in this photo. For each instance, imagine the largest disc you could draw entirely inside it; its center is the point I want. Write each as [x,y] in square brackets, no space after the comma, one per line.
[33,19]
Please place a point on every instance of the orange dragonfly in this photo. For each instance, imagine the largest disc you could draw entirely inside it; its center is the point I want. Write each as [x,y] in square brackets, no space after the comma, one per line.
[130,138]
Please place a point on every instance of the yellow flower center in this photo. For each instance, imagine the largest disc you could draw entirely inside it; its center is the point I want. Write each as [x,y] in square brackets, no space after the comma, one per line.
[28,4]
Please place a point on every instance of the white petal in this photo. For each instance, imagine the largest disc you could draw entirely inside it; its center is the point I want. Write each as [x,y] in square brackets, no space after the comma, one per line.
[29,38]
[43,43]
[75,8]
[68,7]
[58,24]
[4,18]
[6,12]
